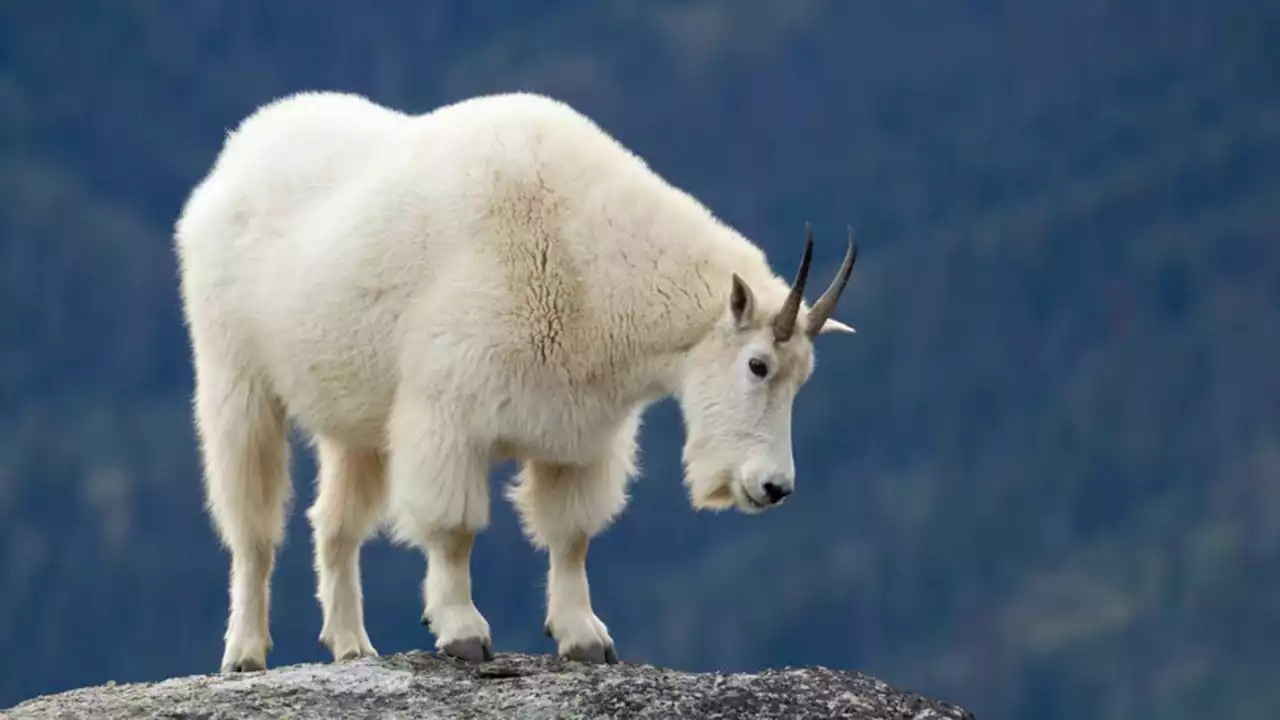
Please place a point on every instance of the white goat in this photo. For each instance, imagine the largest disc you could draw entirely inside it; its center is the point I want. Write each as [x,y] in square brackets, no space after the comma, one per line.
[429,295]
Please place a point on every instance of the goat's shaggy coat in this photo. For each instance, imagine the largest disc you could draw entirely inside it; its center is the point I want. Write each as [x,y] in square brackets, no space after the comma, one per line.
[429,295]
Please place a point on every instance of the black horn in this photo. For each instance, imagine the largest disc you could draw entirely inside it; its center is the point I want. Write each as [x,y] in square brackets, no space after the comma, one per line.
[784,324]
[826,304]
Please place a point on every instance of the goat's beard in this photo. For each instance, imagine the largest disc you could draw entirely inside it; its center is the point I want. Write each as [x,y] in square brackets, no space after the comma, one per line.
[709,483]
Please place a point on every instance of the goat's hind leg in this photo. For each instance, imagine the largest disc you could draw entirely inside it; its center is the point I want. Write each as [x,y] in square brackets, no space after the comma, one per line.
[352,494]
[245,453]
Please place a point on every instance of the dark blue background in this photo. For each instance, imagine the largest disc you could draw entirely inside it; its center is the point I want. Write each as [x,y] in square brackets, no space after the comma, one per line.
[1042,481]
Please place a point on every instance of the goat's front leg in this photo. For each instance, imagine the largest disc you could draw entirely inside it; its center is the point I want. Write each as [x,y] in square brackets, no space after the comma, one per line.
[439,501]
[460,629]
[561,508]
[579,633]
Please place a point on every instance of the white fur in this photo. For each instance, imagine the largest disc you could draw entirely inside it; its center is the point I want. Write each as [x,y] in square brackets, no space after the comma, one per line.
[429,295]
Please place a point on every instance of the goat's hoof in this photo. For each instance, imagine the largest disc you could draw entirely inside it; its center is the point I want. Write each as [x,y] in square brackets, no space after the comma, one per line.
[348,645]
[595,654]
[356,654]
[244,666]
[469,649]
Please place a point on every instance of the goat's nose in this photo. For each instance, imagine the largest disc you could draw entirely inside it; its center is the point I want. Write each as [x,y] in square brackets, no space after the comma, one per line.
[775,492]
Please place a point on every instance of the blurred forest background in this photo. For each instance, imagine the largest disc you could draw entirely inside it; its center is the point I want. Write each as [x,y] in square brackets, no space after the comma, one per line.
[1041,481]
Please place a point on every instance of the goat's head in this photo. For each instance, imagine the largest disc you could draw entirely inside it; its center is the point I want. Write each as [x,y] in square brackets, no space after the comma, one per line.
[739,385]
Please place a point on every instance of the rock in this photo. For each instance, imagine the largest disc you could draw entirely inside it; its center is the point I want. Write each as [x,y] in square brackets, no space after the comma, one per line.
[513,686]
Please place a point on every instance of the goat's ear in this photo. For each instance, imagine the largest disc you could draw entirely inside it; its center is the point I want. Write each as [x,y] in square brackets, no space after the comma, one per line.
[833,325]
[742,303]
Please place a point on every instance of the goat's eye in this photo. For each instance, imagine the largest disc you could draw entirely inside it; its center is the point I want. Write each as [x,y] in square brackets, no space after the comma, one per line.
[758,367]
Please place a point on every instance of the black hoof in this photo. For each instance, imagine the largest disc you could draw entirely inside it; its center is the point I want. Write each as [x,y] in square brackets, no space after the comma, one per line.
[469,649]
[248,665]
[595,654]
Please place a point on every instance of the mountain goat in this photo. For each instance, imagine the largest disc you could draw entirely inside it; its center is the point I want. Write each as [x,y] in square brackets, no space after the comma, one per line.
[428,295]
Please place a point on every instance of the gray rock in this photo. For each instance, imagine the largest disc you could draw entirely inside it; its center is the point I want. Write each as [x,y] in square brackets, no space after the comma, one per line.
[513,686]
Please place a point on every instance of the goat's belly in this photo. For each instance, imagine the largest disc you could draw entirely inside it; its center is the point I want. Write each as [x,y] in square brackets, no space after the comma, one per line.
[342,390]
[356,419]
[554,431]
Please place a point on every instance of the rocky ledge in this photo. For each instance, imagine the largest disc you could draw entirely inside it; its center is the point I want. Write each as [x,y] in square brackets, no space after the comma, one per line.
[513,686]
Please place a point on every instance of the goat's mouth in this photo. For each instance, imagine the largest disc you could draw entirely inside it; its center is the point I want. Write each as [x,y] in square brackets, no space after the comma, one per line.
[725,491]
[745,501]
